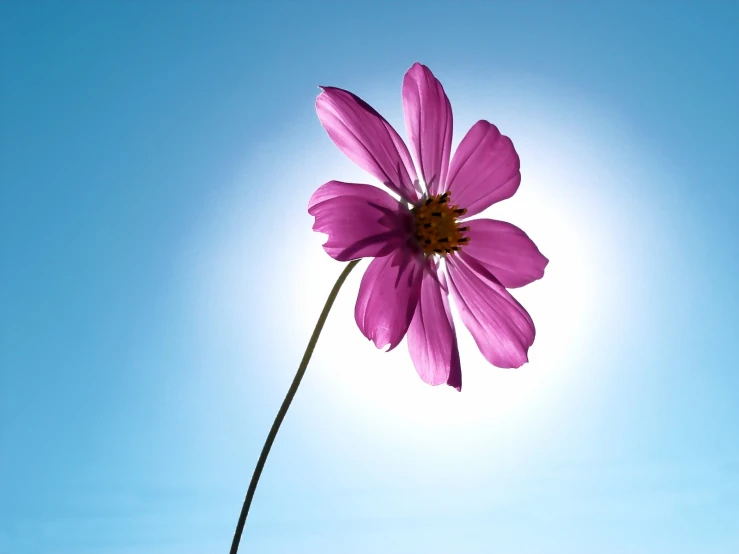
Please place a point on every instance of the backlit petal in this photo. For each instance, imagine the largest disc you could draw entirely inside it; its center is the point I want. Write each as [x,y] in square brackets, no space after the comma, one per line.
[367,139]
[360,220]
[388,296]
[428,121]
[506,251]
[501,327]
[484,169]
[432,340]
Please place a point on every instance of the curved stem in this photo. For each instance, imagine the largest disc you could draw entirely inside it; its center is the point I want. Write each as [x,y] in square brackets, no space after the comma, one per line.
[286,404]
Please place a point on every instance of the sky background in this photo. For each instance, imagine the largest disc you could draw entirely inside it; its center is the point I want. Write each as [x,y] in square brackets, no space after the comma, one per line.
[159,281]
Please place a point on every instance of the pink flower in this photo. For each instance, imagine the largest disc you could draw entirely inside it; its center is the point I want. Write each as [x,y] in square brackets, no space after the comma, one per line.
[423,245]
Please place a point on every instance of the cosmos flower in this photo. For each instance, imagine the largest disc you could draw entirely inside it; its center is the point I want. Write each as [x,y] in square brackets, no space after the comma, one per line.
[423,245]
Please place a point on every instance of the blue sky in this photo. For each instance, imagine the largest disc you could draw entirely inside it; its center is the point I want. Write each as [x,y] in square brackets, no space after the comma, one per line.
[160,280]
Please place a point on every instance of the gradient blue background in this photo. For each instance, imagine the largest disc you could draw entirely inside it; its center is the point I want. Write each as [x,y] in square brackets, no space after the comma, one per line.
[125,125]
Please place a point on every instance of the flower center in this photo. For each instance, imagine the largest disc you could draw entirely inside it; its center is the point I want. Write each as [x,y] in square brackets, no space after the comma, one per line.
[437,228]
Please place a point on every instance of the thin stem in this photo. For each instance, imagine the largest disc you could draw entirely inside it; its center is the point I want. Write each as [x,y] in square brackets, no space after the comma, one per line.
[286,404]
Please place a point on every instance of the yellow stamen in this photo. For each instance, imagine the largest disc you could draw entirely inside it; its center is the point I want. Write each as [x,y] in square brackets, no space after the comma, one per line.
[437,228]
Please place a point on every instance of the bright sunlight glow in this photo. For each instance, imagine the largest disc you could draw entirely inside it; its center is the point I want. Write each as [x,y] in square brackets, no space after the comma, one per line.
[562,205]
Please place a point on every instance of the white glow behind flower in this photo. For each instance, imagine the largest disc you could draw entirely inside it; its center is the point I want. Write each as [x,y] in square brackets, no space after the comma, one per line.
[566,204]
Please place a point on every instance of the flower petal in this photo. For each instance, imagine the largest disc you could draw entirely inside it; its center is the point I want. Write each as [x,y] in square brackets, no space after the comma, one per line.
[501,327]
[360,220]
[388,296]
[432,340]
[428,121]
[484,170]
[367,139]
[506,251]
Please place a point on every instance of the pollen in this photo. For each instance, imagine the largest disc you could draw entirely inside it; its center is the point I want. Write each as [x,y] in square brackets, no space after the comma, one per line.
[437,229]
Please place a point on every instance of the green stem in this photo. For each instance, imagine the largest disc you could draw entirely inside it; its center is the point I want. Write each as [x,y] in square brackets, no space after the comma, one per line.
[286,404]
